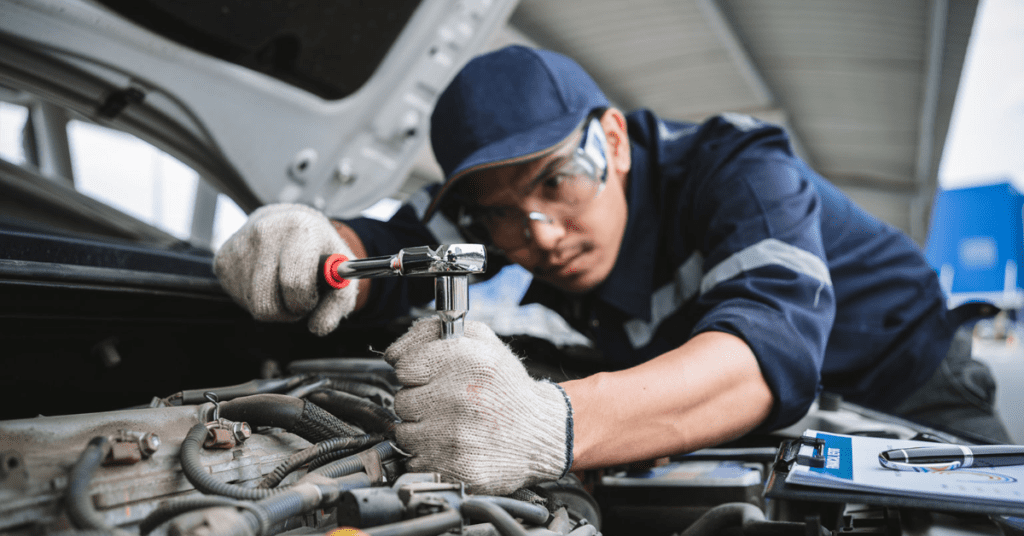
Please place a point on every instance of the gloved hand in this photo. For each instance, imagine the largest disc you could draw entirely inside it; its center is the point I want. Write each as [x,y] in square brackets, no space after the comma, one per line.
[269,266]
[471,412]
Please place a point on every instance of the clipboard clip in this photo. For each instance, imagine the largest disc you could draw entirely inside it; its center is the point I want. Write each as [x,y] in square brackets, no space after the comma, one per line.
[794,451]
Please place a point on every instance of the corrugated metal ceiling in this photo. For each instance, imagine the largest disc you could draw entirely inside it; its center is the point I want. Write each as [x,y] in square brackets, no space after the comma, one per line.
[866,87]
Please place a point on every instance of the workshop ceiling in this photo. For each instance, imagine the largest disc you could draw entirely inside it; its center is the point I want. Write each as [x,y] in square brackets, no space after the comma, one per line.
[866,87]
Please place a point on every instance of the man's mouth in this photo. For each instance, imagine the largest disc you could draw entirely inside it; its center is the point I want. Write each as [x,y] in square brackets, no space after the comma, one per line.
[570,267]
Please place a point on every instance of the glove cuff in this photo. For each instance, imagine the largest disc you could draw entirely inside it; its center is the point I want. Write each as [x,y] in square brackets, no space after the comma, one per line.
[568,428]
[555,426]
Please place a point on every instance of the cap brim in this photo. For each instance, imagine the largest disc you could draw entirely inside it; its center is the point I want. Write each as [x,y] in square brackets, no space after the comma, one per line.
[515,149]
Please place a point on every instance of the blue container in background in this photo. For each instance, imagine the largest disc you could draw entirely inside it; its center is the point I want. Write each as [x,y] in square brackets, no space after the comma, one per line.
[976,244]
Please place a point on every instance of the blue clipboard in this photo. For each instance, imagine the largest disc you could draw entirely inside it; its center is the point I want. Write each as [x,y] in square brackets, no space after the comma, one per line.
[811,453]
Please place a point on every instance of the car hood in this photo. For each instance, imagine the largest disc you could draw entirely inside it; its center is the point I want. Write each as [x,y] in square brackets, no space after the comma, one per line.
[323,103]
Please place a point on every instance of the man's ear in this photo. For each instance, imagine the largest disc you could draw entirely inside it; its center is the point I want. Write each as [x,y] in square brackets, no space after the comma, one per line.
[614,123]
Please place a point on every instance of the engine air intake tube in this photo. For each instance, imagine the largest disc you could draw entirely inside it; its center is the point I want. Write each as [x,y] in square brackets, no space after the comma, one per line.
[301,417]
[366,414]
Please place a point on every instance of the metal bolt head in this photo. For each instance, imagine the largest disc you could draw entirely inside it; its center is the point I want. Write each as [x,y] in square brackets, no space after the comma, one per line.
[149,443]
[241,431]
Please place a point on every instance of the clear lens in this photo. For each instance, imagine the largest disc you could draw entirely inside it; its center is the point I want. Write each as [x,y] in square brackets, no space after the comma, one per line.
[561,195]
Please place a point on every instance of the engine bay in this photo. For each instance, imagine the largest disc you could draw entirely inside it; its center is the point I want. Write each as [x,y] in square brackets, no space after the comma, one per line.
[311,451]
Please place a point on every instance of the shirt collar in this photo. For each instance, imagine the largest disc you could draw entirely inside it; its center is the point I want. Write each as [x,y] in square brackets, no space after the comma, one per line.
[630,284]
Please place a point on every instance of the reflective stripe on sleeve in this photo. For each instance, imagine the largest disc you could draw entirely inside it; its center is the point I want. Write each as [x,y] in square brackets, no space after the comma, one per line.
[667,300]
[767,252]
[670,298]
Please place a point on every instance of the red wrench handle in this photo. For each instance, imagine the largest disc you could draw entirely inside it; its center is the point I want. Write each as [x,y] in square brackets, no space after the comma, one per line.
[327,275]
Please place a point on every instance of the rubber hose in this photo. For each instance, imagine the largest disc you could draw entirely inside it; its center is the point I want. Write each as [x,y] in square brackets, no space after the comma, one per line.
[533,514]
[428,525]
[303,390]
[195,472]
[282,411]
[366,414]
[79,506]
[778,528]
[365,390]
[374,371]
[305,455]
[171,509]
[354,464]
[723,516]
[318,424]
[329,457]
[251,387]
[483,510]
[285,505]
[585,530]
[747,516]
[388,383]
[342,365]
[292,503]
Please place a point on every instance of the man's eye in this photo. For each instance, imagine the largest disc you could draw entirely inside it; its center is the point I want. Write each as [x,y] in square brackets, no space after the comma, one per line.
[554,181]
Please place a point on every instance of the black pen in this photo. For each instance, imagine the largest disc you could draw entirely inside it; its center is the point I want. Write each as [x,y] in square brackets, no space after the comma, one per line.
[949,457]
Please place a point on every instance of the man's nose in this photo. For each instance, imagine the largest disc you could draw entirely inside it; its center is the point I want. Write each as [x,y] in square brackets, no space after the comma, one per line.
[543,230]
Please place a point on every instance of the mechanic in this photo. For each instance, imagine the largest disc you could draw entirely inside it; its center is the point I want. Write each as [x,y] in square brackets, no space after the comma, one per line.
[731,281]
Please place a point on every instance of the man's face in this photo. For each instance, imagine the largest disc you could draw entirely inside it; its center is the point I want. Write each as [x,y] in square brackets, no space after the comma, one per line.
[574,250]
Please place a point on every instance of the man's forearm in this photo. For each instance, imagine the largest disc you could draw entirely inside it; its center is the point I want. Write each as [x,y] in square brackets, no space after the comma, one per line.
[706,392]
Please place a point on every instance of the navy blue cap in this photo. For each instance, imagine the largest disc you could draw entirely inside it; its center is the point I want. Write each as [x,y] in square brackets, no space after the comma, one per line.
[508,106]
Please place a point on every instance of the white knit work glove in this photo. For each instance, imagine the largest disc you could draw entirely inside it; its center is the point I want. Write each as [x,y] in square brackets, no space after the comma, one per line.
[270,267]
[471,412]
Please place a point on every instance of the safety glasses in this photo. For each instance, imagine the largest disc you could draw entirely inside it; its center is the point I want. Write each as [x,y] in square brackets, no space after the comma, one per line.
[562,189]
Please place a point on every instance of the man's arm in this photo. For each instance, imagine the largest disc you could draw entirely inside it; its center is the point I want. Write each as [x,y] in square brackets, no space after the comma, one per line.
[707,391]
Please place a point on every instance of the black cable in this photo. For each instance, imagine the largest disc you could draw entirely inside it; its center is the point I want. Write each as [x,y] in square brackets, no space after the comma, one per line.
[300,458]
[374,371]
[364,413]
[327,458]
[259,515]
[352,464]
[79,506]
[303,390]
[171,509]
[195,472]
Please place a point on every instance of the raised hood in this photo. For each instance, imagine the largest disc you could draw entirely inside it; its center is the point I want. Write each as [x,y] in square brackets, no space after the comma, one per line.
[325,103]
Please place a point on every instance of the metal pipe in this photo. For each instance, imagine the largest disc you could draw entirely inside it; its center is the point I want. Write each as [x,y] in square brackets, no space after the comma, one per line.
[428,525]
[483,510]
